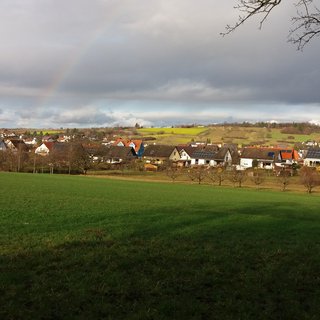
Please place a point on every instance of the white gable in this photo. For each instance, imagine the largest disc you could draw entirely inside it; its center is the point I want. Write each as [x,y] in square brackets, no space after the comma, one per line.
[42,149]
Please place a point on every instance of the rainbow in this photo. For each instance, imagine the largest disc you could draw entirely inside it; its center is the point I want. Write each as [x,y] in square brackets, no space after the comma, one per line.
[70,64]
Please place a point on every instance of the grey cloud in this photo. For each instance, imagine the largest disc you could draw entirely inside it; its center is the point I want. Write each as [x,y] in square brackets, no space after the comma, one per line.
[59,55]
[82,116]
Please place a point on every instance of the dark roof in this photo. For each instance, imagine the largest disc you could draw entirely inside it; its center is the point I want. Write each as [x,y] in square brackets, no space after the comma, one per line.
[19,144]
[231,146]
[313,154]
[203,154]
[260,153]
[161,151]
[210,153]
[188,149]
[220,155]
[60,147]
[112,152]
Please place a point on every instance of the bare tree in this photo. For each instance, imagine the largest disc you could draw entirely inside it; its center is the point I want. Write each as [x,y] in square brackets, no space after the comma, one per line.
[80,158]
[237,177]
[309,178]
[198,173]
[216,174]
[306,23]
[258,177]
[173,172]
[284,179]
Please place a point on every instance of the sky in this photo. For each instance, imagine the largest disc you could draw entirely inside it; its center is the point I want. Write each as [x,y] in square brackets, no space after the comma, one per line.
[99,63]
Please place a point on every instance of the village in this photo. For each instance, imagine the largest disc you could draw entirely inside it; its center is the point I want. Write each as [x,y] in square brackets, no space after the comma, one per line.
[77,154]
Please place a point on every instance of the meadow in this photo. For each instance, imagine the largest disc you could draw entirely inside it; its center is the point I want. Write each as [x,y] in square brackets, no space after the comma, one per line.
[76,247]
[227,134]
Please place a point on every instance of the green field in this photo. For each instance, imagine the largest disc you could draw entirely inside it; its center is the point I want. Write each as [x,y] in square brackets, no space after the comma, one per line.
[226,134]
[184,131]
[91,248]
[174,135]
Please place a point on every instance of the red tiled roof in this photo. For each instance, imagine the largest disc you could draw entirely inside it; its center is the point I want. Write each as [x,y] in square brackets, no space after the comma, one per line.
[286,154]
[49,145]
[136,144]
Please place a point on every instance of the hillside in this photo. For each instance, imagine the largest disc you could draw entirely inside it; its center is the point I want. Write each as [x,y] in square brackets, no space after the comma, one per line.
[227,134]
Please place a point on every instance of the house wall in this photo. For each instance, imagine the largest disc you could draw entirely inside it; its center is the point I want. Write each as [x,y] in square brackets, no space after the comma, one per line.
[201,162]
[228,158]
[311,162]
[42,149]
[114,160]
[184,156]
[175,156]
[141,150]
[246,162]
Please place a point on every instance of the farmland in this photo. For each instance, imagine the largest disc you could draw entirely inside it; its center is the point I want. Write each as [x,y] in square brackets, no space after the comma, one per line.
[87,248]
[227,134]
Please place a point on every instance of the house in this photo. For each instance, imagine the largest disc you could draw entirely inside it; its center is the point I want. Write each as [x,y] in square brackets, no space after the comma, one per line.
[267,158]
[3,146]
[56,148]
[211,156]
[48,138]
[118,154]
[185,154]
[287,157]
[95,152]
[16,145]
[30,141]
[310,144]
[312,158]
[63,138]
[137,145]
[44,149]
[158,154]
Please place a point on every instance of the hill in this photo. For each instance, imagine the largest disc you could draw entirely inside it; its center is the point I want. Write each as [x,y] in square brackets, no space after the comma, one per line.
[239,134]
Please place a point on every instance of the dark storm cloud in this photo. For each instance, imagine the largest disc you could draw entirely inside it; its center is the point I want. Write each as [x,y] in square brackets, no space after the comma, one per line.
[145,58]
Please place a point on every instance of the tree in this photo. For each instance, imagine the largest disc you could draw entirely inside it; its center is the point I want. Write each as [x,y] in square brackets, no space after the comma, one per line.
[198,173]
[284,179]
[237,177]
[258,177]
[216,174]
[306,23]
[173,172]
[79,158]
[309,178]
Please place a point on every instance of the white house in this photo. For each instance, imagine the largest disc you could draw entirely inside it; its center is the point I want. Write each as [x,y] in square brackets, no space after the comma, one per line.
[30,141]
[44,148]
[211,157]
[312,158]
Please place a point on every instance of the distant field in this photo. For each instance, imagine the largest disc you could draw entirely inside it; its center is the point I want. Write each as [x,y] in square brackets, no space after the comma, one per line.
[92,248]
[44,131]
[227,134]
[182,131]
[174,135]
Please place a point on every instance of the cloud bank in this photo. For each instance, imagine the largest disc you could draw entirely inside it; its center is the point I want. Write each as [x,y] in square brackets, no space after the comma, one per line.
[82,63]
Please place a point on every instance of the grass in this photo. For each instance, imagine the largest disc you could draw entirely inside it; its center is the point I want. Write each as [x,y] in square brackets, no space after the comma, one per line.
[174,135]
[88,248]
[226,134]
[180,131]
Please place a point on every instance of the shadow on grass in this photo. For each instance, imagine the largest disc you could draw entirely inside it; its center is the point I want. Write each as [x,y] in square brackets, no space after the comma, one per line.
[249,263]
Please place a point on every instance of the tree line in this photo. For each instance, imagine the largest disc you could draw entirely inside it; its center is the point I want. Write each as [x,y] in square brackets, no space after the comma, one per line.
[308,177]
